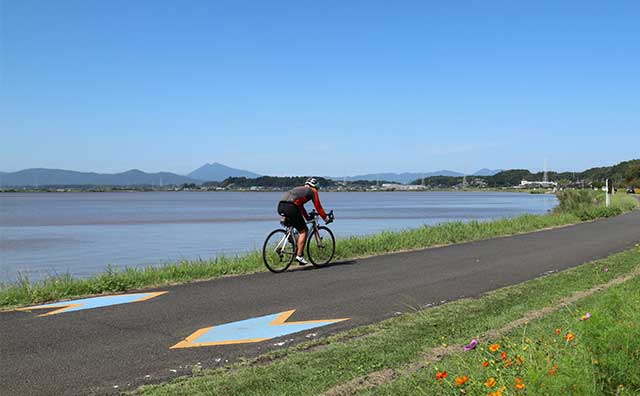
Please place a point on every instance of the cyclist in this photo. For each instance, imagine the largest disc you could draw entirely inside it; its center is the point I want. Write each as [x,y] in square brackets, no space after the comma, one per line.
[291,206]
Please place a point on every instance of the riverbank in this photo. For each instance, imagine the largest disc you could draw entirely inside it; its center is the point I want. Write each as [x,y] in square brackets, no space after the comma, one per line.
[25,292]
[249,190]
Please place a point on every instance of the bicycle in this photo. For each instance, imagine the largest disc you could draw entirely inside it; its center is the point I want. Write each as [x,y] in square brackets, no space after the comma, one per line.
[280,247]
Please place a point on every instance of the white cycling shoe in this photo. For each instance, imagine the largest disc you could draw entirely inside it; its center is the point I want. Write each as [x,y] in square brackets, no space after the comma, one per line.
[301,260]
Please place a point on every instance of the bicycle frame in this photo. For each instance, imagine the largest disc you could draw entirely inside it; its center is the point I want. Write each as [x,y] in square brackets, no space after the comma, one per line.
[288,234]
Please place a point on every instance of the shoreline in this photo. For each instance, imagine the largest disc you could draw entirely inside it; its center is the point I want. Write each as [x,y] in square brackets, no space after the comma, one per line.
[25,292]
[125,190]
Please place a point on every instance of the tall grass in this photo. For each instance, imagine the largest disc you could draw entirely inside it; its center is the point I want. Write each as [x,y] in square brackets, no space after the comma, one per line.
[590,204]
[574,207]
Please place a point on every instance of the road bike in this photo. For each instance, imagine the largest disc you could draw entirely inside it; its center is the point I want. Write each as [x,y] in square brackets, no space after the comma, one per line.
[280,247]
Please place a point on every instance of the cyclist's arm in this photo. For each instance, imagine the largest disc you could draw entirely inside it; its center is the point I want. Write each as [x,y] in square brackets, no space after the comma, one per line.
[316,203]
[305,215]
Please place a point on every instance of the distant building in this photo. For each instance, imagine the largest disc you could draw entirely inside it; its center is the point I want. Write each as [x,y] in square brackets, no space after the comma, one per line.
[479,183]
[402,187]
[537,184]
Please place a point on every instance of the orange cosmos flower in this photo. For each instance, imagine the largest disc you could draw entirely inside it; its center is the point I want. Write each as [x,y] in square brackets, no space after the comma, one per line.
[491,382]
[494,347]
[508,363]
[485,364]
[498,392]
[462,380]
[440,375]
[519,384]
[553,370]
[570,336]
[503,355]
[558,331]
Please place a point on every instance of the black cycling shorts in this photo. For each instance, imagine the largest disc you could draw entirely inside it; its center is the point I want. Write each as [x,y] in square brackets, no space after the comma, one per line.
[293,214]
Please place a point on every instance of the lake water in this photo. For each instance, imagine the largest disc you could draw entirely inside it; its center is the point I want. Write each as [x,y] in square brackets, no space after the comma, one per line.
[83,233]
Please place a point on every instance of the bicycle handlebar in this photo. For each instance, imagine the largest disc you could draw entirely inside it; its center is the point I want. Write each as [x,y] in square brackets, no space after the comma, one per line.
[330,217]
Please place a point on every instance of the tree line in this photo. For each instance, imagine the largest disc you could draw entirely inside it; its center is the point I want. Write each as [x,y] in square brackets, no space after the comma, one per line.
[623,174]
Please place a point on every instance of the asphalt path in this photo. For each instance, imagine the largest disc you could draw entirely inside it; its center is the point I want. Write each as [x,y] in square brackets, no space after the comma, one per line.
[110,349]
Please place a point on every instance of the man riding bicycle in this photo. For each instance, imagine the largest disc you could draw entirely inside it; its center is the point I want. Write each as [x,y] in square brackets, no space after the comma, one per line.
[291,206]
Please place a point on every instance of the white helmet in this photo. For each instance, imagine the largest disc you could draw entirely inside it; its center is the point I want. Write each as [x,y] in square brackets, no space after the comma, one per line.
[312,182]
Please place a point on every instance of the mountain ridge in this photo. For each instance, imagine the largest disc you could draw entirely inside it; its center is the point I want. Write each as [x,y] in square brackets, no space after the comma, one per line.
[487,172]
[209,172]
[218,172]
[34,177]
[408,177]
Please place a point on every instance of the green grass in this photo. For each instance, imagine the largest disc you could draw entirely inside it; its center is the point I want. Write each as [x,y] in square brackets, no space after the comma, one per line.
[397,342]
[589,204]
[602,359]
[25,291]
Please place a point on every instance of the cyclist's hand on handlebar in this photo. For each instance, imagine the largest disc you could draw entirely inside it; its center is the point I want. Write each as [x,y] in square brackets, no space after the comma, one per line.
[329,218]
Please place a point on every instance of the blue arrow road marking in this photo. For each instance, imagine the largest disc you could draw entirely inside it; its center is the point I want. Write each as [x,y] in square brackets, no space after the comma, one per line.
[254,328]
[251,330]
[93,302]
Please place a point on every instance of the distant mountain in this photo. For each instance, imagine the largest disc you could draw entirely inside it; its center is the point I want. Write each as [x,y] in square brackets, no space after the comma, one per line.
[444,173]
[487,172]
[219,172]
[406,177]
[59,177]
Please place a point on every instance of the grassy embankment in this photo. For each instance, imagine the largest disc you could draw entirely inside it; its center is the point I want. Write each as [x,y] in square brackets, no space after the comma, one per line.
[403,355]
[590,348]
[575,206]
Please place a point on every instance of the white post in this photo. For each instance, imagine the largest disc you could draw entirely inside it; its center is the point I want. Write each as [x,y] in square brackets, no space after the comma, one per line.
[608,200]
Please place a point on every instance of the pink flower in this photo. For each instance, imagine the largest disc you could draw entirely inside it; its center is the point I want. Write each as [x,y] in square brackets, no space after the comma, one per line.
[606,269]
[471,345]
[586,316]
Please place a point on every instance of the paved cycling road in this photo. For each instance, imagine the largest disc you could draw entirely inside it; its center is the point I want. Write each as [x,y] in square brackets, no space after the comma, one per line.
[92,351]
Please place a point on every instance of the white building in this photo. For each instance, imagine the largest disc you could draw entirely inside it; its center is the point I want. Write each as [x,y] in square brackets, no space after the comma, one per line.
[402,187]
[537,184]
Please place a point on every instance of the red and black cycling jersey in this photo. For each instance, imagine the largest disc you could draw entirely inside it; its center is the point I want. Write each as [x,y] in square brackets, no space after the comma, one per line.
[300,196]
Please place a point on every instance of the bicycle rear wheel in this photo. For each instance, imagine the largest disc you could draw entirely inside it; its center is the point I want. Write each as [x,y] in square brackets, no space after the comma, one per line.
[278,251]
[321,246]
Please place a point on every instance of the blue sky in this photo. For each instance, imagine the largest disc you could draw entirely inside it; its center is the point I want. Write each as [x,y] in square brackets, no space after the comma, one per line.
[325,88]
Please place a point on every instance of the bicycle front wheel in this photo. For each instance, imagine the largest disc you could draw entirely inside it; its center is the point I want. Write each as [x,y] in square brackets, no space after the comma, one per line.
[321,246]
[278,251]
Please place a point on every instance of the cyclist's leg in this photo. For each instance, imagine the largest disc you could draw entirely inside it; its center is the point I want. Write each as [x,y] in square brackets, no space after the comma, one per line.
[301,225]
[302,238]
[294,217]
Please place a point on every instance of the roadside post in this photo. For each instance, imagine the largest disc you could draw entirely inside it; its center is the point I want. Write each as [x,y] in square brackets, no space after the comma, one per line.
[609,189]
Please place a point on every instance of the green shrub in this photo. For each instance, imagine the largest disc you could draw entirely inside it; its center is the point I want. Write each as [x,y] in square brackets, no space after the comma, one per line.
[586,214]
[590,204]
[577,200]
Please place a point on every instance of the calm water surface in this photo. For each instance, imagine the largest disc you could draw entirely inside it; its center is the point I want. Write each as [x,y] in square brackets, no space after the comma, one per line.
[82,233]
